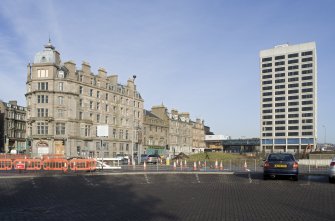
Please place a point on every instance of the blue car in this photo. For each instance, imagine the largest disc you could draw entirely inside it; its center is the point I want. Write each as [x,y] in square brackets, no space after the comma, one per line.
[280,164]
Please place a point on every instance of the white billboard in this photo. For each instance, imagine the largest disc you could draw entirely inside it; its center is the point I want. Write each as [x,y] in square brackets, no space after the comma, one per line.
[102,130]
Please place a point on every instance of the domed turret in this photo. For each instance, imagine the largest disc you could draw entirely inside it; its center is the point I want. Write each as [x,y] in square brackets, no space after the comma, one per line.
[48,55]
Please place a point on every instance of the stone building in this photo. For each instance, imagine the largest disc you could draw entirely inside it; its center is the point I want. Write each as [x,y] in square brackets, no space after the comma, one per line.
[12,127]
[65,105]
[184,135]
[155,134]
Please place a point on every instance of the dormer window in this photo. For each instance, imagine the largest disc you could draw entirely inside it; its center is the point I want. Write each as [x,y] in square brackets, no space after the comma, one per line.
[60,74]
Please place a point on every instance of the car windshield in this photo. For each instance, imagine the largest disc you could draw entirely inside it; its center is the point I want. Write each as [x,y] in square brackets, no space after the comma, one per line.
[280,157]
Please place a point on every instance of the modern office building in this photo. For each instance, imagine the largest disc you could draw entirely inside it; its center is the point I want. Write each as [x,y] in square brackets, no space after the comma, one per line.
[288,97]
[65,105]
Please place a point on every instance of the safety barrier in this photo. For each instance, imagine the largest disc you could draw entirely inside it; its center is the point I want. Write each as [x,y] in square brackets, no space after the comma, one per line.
[55,164]
[83,165]
[27,164]
[6,164]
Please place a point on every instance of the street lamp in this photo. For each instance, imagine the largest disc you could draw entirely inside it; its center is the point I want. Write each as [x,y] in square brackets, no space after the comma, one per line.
[133,126]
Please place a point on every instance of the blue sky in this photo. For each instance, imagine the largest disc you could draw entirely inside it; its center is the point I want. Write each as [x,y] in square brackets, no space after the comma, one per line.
[196,56]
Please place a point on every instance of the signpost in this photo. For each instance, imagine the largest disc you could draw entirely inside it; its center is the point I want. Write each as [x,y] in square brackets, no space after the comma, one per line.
[102,131]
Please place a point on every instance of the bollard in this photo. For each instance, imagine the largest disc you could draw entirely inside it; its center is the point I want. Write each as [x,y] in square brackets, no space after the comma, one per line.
[245,165]
[174,165]
[216,164]
[144,165]
[194,166]
[221,165]
[185,163]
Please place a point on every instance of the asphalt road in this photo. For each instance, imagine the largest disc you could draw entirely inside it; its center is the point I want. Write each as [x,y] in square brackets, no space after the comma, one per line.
[166,197]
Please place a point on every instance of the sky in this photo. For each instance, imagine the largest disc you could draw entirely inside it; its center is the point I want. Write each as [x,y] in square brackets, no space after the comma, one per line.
[196,56]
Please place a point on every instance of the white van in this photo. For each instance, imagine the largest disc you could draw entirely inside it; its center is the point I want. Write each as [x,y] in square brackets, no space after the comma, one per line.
[109,163]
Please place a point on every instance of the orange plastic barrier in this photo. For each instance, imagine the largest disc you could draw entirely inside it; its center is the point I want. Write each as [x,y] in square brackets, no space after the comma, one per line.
[55,164]
[83,165]
[13,156]
[6,164]
[27,164]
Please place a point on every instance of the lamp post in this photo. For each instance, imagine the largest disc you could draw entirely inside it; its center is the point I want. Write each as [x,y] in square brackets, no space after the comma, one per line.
[133,125]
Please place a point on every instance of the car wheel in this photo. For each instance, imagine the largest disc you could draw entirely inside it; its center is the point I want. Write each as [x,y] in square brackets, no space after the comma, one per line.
[295,178]
[265,177]
[331,180]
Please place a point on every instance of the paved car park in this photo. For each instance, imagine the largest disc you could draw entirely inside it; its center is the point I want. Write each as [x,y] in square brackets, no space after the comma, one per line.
[152,196]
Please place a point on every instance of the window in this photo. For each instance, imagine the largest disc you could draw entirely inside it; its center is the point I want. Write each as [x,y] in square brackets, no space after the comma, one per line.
[305,90]
[307,78]
[267,111]
[42,112]
[280,122]
[60,100]
[280,134]
[307,115]
[293,109]
[280,110]
[267,65]
[304,121]
[91,105]
[80,89]
[307,65]
[306,96]
[266,59]
[87,130]
[293,61]
[42,128]
[98,94]
[267,105]
[106,107]
[60,113]
[280,98]
[280,116]
[267,93]
[280,104]
[306,53]
[279,92]
[267,82]
[42,73]
[267,88]
[306,102]
[267,117]
[293,67]
[80,115]
[278,81]
[293,121]
[280,69]
[293,97]
[98,106]
[307,71]
[42,86]
[81,102]
[60,128]
[98,118]
[307,108]
[307,127]
[42,99]
[307,133]
[60,74]
[293,85]
[294,103]
[293,73]
[280,75]
[305,84]
[280,57]
[280,128]
[293,79]
[293,115]
[307,59]
[81,78]
[293,55]
[106,120]
[293,134]
[106,96]
[267,99]
[293,91]
[280,63]
[266,76]
[91,92]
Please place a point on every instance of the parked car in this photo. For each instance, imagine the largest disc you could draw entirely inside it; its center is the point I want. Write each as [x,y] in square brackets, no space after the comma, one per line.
[144,158]
[153,159]
[331,171]
[280,164]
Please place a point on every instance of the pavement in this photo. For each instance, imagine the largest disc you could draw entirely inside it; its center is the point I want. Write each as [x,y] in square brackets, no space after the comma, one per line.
[169,196]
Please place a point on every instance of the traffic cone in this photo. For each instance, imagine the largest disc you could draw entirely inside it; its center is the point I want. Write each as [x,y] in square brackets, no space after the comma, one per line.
[195,166]
[216,164]
[144,165]
[221,165]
